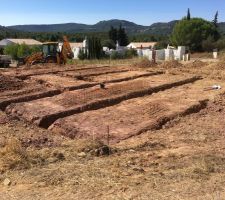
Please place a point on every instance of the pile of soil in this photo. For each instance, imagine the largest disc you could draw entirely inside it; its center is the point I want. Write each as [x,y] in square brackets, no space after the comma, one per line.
[219,66]
[144,63]
[171,64]
[196,64]
[10,83]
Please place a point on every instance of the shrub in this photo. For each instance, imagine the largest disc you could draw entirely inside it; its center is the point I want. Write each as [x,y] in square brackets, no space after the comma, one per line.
[115,55]
[82,55]
[21,51]
[192,33]
[11,50]
[209,44]
[109,43]
[161,44]
[220,44]
[130,53]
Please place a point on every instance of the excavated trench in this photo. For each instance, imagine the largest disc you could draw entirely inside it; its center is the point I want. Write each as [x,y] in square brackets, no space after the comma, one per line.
[46,111]
[135,116]
[49,85]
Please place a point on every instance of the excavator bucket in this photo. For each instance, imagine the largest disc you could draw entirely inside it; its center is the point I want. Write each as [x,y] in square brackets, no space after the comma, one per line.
[67,48]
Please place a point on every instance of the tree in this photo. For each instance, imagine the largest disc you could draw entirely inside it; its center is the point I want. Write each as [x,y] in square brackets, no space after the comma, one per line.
[215,20]
[209,44]
[11,50]
[122,37]
[23,51]
[94,50]
[20,51]
[188,14]
[109,43]
[192,33]
[113,34]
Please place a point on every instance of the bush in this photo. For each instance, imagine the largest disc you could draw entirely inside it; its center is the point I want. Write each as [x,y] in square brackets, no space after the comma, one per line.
[82,55]
[11,50]
[130,53]
[1,51]
[115,55]
[220,44]
[161,44]
[109,43]
[209,44]
[21,51]
[192,33]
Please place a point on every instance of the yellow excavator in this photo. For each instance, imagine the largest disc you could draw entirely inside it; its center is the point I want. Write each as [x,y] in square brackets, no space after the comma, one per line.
[52,52]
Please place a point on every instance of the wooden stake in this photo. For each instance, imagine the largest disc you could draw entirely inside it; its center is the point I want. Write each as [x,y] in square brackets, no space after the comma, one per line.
[108,135]
[93,135]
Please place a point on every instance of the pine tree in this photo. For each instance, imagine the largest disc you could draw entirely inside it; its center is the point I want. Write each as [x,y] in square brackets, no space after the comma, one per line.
[215,20]
[94,48]
[113,34]
[122,37]
[188,14]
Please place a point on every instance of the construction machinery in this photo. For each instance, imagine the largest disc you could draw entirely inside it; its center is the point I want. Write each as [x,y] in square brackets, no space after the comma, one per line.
[52,52]
[5,60]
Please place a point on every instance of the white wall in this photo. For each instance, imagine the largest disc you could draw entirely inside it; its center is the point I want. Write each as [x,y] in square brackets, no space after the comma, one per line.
[160,54]
[76,51]
[163,54]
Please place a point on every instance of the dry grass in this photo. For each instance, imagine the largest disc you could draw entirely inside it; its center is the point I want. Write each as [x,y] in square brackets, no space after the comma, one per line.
[13,156]
[92,147]
[105,62]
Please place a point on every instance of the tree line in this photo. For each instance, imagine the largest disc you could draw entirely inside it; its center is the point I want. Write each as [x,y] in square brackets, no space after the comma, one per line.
[198,34]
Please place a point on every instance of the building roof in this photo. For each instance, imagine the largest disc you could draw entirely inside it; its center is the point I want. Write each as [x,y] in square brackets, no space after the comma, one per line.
[6,42]
[138,45]
[76,44]
[26,41]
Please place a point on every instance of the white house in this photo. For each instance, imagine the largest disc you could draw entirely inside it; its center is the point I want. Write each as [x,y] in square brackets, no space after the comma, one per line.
[30,42]
[141,45]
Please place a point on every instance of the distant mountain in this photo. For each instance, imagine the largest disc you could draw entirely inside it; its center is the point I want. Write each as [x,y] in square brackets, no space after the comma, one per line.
[162,28]
[4,29]
[51,27]
[103,26]
[6,32]
[129,26]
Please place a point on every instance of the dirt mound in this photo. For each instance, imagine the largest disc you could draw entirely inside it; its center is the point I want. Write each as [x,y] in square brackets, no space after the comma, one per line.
[144,63]
[171,64]
[196,64]
[220,64]
[10,83]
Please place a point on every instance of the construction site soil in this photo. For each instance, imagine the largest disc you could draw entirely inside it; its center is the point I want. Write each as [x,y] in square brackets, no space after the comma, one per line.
[113,132]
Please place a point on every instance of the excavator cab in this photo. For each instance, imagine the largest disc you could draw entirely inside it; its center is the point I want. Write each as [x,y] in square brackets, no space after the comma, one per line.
[50,51]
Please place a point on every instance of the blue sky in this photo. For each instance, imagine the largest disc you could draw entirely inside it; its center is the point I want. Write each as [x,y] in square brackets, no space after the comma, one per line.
[144,12]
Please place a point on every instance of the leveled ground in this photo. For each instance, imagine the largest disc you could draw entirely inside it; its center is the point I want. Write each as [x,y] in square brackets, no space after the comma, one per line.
[165,132]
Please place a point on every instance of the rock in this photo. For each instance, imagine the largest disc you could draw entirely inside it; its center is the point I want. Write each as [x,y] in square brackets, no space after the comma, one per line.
[7,182]
[52,160]
[82,155]
[103,151]
[132,151]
